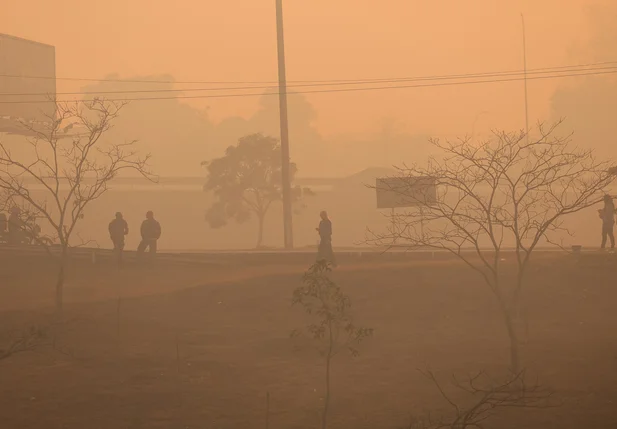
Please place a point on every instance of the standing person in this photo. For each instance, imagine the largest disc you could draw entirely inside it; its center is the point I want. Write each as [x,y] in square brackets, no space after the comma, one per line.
[118,229]
[150,233]
[324,251]
[607,214]
[3,223]
[15,227]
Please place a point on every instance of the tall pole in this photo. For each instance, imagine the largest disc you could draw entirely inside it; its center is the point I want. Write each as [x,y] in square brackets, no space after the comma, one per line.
[525,79]
[287,212]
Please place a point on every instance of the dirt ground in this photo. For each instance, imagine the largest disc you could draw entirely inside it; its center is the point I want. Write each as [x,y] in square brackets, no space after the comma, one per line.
[201,345]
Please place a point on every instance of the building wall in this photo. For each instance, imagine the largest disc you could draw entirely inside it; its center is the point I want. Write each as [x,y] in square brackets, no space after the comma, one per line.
[21,57]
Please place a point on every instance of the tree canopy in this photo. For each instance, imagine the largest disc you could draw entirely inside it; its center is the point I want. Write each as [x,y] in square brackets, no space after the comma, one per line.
[246,181]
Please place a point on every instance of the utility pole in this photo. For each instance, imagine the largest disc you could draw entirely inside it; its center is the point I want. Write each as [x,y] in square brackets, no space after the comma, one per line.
[286,179]
[525,79]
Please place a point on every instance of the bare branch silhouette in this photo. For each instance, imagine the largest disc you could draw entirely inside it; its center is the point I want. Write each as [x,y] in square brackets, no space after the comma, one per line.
[484,396]
[28,340]
[502,191]
[72,169]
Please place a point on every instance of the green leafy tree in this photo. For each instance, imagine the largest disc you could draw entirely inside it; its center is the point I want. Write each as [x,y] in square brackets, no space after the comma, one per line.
[334,329]
[246,181]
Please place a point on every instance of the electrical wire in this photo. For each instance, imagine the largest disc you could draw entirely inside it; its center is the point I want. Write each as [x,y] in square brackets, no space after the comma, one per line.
[604,63]
[399,80]
[322,91]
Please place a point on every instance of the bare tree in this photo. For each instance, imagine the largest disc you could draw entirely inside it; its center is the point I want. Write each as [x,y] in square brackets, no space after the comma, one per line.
[28,340]
[501,192]
[483,397]
[72,164]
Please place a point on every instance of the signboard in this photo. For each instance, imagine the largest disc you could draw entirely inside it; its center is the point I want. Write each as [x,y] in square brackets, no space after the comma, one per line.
[395,192]
[26,67]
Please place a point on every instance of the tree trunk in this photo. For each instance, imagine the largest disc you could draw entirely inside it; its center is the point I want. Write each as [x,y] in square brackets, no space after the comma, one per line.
[260,230]
[507,312]
[326,407]
[60,288]
[514,350]
[519,305]
[60,282]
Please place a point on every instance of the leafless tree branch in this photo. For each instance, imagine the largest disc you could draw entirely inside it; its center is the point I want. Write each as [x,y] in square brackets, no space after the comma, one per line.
[505,190]
[484,397]
[72,169]
[28,340]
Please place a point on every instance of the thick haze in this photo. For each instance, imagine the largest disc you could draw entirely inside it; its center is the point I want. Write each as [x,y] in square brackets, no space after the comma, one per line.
[235,41]
[335,134]
[177,299]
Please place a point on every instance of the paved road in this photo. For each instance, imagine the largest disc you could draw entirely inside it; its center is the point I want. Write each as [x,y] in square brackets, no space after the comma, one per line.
[275,255]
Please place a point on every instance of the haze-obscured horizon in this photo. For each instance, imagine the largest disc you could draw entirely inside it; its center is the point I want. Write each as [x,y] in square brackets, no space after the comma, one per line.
[332,134]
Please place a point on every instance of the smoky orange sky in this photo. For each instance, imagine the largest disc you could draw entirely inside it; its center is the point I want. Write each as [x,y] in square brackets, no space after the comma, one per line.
[235,40]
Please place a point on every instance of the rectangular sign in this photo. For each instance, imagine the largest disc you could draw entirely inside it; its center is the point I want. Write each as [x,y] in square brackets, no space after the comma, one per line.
[395,192]
[26,67]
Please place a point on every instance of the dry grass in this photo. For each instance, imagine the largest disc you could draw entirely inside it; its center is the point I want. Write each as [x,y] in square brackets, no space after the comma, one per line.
[205,356]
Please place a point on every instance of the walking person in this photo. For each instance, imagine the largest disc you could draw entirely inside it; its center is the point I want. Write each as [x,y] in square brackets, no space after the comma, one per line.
[607,214]
[324,252]
[150,233]
[118,229]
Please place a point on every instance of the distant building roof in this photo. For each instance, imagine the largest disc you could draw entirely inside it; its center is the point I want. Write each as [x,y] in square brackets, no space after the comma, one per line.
[21,39]
[369,175]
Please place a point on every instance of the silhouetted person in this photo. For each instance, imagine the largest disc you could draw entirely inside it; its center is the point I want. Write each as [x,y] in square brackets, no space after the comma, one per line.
[324,252]
[15,227]
[607,214]
[118,229]
[150,233]
[3,224]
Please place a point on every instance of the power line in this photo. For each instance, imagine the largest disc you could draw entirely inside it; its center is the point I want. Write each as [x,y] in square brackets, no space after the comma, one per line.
[292,81]
[351,82]
[322,91]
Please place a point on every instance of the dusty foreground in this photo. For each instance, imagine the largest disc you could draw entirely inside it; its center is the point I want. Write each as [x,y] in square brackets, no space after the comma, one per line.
[201,346]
